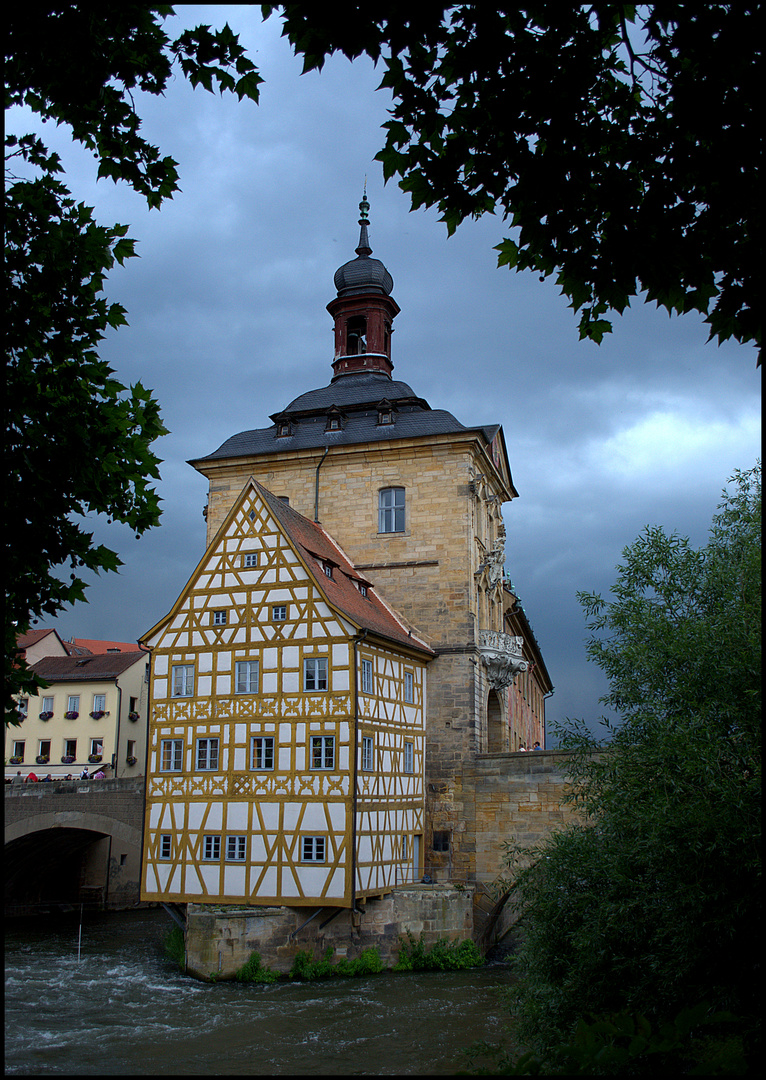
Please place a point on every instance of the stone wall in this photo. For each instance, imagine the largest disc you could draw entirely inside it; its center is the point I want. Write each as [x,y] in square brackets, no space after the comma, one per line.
[219,940]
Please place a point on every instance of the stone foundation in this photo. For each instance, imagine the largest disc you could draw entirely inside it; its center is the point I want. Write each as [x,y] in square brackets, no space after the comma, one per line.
[220,939]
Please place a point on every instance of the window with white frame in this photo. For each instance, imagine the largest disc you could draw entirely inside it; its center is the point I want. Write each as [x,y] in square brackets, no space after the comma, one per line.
[236,848]
[70,748]
[171,755]
[279,612]
[250,558]
[211,848]
[246,676]
[96,746]
[18,750]
[183,680]
[408,757]
[366,676]
[45,748]
[262,752]
[99,703]
[322,751]
[313,849]
[391,510]
[47,704]
[207,755]
[22,707]
[73,703]
[220,617]
[166,845]
[315,673]
[409,690]
[367,752]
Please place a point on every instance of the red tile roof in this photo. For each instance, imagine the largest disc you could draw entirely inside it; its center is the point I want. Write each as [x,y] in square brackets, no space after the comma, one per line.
[81,668]
[95,646]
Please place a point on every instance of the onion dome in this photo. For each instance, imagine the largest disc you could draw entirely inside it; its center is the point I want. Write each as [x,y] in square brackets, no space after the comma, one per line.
[363,274]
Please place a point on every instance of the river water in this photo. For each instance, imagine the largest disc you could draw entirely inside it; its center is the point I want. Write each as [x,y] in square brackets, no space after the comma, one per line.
[124,1008]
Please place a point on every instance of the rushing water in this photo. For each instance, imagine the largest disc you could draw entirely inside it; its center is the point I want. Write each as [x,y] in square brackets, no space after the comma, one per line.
[124,1008]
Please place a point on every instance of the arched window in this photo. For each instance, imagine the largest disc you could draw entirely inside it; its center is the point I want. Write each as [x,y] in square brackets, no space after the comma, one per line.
[391,510]
[356,336]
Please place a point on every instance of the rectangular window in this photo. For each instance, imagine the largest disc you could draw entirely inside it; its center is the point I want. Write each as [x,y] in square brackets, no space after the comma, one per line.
[246,672]
[250,559]
[22,707]
[262,752]
[96,746]
[99,703]
[405,847]
[408,757]
[131,748]
[441,841]
[207,754]
[70,748]
[313,849]
[166,845]
[367,751]
[315,673]
[45,748]
[47,704]
[219,618]
[322,751]
[327,570]
[366,676]
[183,680]
[133,707]
[391,510]
[279,613]
[211,848]
[171,755]
[73,703]
[235,848]
[409,695]
[18,751]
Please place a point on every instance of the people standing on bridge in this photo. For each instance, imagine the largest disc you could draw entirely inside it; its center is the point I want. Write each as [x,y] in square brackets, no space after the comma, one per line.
[537,746]
[47,779]
[522,747]
[100,775]
[85,775]
[31,778]
[18,778]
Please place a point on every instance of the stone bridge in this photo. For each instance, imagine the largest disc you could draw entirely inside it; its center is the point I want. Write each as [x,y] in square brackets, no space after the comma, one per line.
[73,841]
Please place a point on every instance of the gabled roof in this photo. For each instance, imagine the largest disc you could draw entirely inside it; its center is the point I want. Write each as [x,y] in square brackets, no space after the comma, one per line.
[341,591]
[96,646]
[26,641]
[56,669]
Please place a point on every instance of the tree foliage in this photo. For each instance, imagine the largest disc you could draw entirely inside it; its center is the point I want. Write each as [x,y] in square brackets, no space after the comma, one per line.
[620,142]
[78,441]
[652,905]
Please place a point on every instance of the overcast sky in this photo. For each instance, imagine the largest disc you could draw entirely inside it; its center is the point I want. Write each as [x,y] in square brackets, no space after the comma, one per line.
[228,324]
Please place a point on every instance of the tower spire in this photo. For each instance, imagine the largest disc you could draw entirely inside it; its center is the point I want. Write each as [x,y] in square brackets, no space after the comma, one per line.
[364,240]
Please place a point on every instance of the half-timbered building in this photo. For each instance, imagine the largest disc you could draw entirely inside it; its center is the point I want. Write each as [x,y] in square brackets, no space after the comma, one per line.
[286,758]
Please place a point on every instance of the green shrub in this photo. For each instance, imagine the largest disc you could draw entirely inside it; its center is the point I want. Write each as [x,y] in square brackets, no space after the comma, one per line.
[253,971]
[306,968]
[367,963]
[444,955]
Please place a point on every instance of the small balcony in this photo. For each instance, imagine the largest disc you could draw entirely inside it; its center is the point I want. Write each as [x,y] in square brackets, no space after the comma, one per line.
[502,657]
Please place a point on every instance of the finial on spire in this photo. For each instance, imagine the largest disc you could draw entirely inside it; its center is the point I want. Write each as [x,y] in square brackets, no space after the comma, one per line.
[364,240]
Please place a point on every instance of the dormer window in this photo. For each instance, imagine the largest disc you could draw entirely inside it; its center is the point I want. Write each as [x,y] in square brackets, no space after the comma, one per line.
[362,589]
[284,427]
[385,412]
[327,569]
[334,420]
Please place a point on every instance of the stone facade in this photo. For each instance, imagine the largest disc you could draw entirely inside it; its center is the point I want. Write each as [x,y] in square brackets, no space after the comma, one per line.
[220,940]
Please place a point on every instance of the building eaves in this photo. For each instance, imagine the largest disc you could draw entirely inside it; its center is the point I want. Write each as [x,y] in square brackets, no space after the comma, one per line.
[86,668]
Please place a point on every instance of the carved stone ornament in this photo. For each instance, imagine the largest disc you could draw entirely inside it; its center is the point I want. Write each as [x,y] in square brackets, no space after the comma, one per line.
[502,657]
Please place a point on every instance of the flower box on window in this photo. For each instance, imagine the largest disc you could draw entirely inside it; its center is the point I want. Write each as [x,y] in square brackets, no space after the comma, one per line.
[132,760]
[134,716]
[71,715]
[67,759]
[94,758]
[42,759]
[46,715]
[98,713]
[17,761]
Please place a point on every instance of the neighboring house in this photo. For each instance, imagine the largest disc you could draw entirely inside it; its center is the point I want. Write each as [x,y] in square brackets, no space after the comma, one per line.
[287,730]
[530,688]
[93,713]
[36,644]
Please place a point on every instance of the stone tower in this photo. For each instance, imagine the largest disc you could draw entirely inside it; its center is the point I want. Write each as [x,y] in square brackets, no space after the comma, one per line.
[415,499]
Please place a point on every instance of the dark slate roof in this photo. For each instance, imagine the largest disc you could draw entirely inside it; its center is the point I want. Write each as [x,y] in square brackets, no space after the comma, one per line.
[357,397]
[316,547]
[56,669]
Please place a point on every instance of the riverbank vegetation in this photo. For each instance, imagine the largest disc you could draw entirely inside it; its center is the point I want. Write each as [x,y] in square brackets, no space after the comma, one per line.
[443,955]
[639,927]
